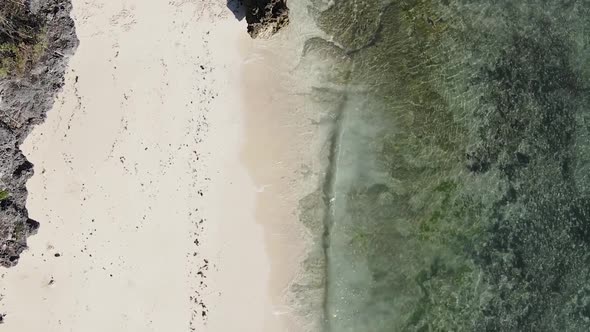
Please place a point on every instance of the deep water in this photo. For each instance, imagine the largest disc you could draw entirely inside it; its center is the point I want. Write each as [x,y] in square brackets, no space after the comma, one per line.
[458,169]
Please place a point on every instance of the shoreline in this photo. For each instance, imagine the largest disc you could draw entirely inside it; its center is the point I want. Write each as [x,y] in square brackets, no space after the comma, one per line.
[273,163]
[270,169]
[285,137]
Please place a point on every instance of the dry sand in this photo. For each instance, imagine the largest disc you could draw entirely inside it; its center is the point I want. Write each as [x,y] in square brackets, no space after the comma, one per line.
[146,189]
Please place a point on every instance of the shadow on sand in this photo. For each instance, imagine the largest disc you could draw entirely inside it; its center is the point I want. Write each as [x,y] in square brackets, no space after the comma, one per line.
[237,7]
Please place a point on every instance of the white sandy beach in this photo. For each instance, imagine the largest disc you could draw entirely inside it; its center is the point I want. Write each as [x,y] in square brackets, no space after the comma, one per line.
[155,210]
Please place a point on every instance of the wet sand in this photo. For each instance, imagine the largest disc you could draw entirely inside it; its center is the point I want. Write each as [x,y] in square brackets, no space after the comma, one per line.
[275,156]
[284,145]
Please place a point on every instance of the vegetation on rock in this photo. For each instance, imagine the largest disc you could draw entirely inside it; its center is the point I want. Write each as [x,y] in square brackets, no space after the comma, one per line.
[36,39]
[22,38]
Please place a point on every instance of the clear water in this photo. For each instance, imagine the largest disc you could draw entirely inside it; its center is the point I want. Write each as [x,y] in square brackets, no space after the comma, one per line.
[457,187]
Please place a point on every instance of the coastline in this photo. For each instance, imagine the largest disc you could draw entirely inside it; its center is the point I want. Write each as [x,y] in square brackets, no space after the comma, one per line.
[277,169]
[371,167]
[274,155]
[284,140]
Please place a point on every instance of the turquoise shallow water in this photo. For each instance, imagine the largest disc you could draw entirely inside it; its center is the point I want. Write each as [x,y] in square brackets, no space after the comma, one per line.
[457,192]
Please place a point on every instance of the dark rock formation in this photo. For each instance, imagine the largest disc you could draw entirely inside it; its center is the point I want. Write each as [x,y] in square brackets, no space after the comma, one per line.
[36,39]
[266,17]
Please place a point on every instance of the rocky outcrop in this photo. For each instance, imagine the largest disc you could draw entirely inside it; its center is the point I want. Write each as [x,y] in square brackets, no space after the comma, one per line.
[266,17]
[27,91]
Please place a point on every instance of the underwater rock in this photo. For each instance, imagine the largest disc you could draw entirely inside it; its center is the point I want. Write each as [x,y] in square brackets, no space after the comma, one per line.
[266,17]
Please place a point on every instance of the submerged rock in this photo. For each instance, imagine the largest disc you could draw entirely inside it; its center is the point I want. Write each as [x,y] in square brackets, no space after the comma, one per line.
[36,40]
[266,17]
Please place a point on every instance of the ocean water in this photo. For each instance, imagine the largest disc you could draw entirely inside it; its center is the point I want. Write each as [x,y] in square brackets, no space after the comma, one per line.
[456,189]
